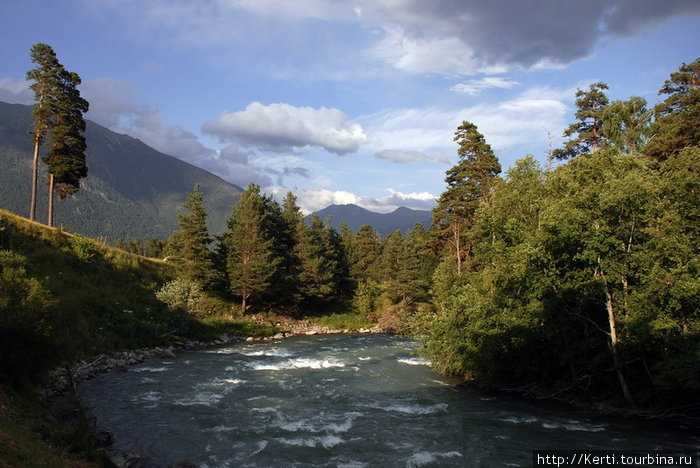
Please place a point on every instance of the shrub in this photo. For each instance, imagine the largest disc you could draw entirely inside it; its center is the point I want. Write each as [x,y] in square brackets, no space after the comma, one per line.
[181,293]
[366,297]
[83,248]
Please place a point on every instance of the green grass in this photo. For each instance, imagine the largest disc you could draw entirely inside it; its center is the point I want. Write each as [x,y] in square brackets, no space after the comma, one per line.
[347,320]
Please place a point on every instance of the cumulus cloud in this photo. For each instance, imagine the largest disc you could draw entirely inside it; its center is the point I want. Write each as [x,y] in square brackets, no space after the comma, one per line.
[311,200]
[402,157]
[474,87]
[15,92]
[283,127]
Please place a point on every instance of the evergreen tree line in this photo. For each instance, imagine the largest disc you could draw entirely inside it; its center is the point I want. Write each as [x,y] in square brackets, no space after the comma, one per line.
[583,279]
[272,258]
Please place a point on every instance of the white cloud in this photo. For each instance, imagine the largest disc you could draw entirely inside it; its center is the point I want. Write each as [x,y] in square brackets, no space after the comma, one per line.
[283,127]
[506,125]
[402,157]
[474,87]
[15,92]
[442,55]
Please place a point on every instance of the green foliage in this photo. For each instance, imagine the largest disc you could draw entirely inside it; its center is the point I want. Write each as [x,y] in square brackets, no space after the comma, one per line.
[195,240]
[366,298]
[584,280]
[588,130]
[352,321]
[180,293]
[25,326]
[83,247]
[251,263]
[676,125]
[468,185]
[365,250]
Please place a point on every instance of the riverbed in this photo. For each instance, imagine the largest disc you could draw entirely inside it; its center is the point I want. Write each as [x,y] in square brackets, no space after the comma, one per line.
[338,401]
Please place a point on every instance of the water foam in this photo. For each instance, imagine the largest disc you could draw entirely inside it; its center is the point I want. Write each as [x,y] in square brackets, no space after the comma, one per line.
[328,441]
[300,363]
[148,369]
[318,424]
[416,361]
[274,352]
[575,426]
[414,409]
[423,458]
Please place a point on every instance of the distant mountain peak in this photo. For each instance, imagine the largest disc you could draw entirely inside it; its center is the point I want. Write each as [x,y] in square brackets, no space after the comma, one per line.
[402,218]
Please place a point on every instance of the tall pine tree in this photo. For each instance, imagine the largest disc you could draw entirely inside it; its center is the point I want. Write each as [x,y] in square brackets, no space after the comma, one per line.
[468,185]
[46,77]
[587,131]
[195,239]
[58,116]
[252,263]
[66,157]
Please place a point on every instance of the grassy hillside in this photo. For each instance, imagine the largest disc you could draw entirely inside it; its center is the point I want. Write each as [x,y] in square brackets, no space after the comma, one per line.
[65,297]
[131,189]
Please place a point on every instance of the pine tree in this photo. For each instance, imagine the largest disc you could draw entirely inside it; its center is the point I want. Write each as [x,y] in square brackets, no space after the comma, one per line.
[587,131]
[365,261]
[46,78]
[289,290]
[58,116]
[676,126]
[321,259]
[195,239]
[66,156]
[468,184]
[252,263]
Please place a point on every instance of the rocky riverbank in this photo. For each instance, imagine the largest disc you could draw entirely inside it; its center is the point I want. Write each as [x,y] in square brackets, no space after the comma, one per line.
[67,377]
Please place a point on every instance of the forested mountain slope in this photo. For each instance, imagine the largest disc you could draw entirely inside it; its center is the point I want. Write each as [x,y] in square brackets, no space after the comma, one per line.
[131,189]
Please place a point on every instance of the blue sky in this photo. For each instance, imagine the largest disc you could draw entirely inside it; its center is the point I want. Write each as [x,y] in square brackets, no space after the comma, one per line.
[346,101]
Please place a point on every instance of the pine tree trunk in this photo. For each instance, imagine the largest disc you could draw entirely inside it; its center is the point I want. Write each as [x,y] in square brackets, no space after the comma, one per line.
[243,304]
[49,220]
[458,248]
[35,176]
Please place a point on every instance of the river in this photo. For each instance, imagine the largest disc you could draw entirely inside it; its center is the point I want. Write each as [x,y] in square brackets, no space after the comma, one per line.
[338,401]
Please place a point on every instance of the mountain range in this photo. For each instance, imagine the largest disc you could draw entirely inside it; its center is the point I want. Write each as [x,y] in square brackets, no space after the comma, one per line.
[131,189]
[354,216]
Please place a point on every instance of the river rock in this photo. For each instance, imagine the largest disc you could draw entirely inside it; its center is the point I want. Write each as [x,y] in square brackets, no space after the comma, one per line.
[167,353]
[278,336]
[130,459]
[250,339]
